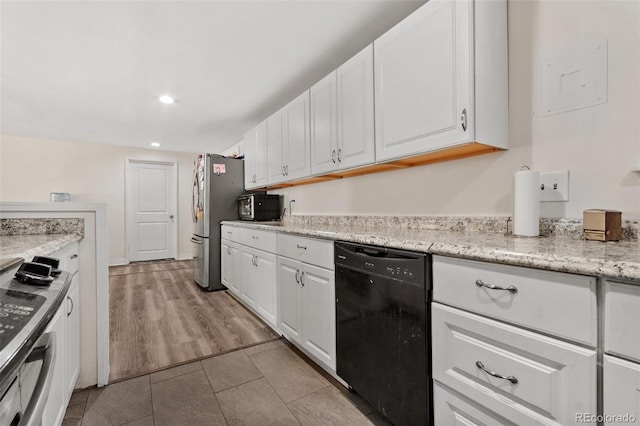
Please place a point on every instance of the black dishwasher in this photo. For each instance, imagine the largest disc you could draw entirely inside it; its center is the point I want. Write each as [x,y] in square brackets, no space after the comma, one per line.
[383,329]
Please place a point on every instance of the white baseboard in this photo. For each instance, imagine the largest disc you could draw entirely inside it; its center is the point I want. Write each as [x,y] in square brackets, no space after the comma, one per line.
[185,256]
[117,261]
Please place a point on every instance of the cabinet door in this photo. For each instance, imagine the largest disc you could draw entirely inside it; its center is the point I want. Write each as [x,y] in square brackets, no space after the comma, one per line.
[297,157]
[275,154]
[423,81]
[73,333]
[260,151]
[289,319]
[324,132]
[356,142]
[319,313]
[621,389]
[247,283]
[265,278]
[56,404]
[249,148]
[226,267]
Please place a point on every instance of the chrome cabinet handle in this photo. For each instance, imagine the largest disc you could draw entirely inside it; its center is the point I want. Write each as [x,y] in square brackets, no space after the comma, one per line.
[298,276]
[254,237]
[228,250]
[339,155]
[72,306]
[481,366]
[73,256]
[286,170]
[301,247]
[282,170]
[463,120]
[301,277]
[511,289]
[333,156]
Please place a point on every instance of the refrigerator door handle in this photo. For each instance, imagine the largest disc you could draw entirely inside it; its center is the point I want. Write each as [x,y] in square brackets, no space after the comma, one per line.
[193,240]
[193,201]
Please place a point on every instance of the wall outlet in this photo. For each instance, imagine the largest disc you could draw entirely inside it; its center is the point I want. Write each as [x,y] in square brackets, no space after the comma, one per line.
[554,186]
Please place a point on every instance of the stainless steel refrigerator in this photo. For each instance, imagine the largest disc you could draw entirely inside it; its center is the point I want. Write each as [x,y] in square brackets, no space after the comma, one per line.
[217,182]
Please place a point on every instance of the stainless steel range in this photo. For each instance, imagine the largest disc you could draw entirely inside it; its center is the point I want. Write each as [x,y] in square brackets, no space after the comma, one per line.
[16,310]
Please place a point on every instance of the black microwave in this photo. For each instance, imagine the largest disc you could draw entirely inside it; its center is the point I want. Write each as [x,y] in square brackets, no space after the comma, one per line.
[259,206]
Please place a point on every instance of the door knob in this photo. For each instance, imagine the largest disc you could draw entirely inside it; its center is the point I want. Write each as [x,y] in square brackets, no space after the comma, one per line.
[170,216]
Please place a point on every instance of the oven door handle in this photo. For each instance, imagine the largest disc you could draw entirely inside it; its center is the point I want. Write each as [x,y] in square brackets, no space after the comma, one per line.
[45,350]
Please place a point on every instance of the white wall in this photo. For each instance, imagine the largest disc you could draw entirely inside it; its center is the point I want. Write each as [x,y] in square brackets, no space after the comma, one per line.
[600,145]
[32,168]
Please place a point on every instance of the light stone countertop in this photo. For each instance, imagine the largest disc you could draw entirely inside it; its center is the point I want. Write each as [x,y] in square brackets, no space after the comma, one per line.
[617,260]
[27,246]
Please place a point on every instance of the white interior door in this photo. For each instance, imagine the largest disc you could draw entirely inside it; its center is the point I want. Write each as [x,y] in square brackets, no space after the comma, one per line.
[151,210]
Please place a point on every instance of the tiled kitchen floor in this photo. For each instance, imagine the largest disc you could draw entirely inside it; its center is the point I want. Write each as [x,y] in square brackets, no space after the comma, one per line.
[267,384]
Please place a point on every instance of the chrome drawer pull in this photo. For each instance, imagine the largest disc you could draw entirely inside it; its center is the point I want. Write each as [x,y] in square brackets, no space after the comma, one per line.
[481,366]
[301,247]
[297,276]
[510,289]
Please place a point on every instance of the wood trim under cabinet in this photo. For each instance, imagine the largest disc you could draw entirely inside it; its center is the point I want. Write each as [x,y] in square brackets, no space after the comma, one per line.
[447,154]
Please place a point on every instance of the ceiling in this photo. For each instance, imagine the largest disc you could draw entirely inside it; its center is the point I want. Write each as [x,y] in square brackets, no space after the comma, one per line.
[92,71]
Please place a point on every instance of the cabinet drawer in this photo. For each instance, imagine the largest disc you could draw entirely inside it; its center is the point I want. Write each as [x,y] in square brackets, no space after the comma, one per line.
[556,303]
[232,233]
[261,240]
[309,250]
[621,319]
[68,258]
[543,376]
[621,389]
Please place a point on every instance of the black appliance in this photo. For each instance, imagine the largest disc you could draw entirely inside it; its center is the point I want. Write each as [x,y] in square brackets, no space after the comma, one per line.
[259,206]
[383,329]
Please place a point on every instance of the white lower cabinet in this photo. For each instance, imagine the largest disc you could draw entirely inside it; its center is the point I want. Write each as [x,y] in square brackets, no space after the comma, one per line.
[72,304]
[251,275]
[621,365]
[520,375]
[621,391]
[452,408]
[65,323]
[306,307]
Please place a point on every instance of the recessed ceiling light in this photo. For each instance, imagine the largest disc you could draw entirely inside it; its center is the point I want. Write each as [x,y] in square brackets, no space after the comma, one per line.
[156,144]
[166,99]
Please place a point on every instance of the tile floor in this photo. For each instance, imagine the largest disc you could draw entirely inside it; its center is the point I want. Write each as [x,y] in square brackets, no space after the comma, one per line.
[267,384]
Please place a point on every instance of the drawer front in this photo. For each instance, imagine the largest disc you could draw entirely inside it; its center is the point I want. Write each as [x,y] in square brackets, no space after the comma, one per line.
[621,319]
[559,304]
[309,250]
[232,233]
[68,258]
[261,240]
[621,389]
[451,408]
[542,376]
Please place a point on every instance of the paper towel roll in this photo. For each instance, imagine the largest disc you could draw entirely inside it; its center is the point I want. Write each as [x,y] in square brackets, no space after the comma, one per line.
[526,203]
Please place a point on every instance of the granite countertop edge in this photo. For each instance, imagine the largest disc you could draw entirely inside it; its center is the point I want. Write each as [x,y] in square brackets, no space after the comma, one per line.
[626,270]
[47,245]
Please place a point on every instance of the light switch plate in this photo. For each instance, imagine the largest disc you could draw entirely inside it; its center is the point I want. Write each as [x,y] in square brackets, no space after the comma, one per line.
[554,186]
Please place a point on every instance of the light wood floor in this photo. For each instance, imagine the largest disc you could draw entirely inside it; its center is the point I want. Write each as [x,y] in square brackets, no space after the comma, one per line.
[159,318]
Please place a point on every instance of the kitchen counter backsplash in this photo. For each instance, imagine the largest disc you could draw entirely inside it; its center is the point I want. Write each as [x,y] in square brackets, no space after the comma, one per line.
[501,225]
[31,226]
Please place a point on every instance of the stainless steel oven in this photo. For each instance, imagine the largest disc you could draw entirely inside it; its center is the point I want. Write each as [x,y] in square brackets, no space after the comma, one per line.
[25,389]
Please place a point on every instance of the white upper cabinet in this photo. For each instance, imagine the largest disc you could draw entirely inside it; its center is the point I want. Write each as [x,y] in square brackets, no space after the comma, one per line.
[255,157]
[324,131]
[356,144]
[342,130]
[275,148]
[288,142]
[441,79]
[297,144]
